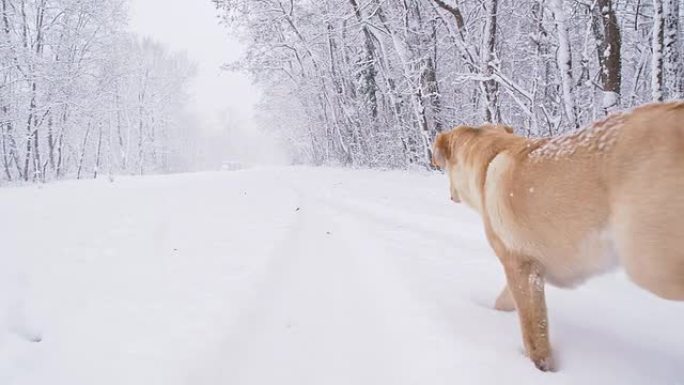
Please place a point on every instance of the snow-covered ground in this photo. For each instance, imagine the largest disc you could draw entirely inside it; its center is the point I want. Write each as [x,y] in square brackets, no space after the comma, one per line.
[291,276]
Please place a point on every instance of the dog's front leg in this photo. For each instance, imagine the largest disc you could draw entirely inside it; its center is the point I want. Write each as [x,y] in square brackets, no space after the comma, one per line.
[526,283]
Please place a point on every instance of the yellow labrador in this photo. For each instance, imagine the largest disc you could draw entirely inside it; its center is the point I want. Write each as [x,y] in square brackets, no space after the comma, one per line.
[561,210]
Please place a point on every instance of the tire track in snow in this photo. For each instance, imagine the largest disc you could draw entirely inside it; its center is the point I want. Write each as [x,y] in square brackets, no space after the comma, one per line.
[332,308]
[225,361]
[311,318]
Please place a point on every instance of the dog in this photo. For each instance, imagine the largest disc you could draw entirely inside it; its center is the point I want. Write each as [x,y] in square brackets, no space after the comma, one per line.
[561,210]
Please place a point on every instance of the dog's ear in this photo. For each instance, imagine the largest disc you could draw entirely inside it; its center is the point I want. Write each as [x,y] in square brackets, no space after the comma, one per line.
[441,150]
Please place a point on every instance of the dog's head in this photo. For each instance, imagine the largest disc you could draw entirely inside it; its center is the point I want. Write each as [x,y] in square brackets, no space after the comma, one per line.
[452,150]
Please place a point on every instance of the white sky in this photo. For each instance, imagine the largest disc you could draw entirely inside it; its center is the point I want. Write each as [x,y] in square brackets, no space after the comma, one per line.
[192,26]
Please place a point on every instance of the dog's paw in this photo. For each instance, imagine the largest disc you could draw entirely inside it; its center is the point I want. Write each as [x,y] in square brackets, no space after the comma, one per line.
[545,364]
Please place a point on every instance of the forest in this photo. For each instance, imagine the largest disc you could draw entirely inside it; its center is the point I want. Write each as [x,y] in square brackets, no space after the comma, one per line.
[82,96]
[361,83]
[370,82]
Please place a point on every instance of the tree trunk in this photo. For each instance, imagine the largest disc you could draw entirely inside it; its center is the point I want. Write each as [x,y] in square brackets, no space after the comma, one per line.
[657,59]
[141,144]
[60,142]
[432,84]
[564,59]
[29,137]
[674,68]
[141,125]
[119,129]
[8,151]
[51,143]
[609,44]
[6,159]
[36,153]
[84,147]
[98,152]
[491,87]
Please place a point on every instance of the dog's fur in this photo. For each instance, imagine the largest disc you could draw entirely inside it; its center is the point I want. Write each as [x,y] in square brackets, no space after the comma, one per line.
[564,209]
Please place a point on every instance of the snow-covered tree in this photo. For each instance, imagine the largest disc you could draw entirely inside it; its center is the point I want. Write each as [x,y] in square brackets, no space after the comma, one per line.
[674,59]
[79,95]
[658,51]
[609,50]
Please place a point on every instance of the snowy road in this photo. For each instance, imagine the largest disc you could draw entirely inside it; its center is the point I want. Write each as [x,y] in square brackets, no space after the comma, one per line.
[290,276]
